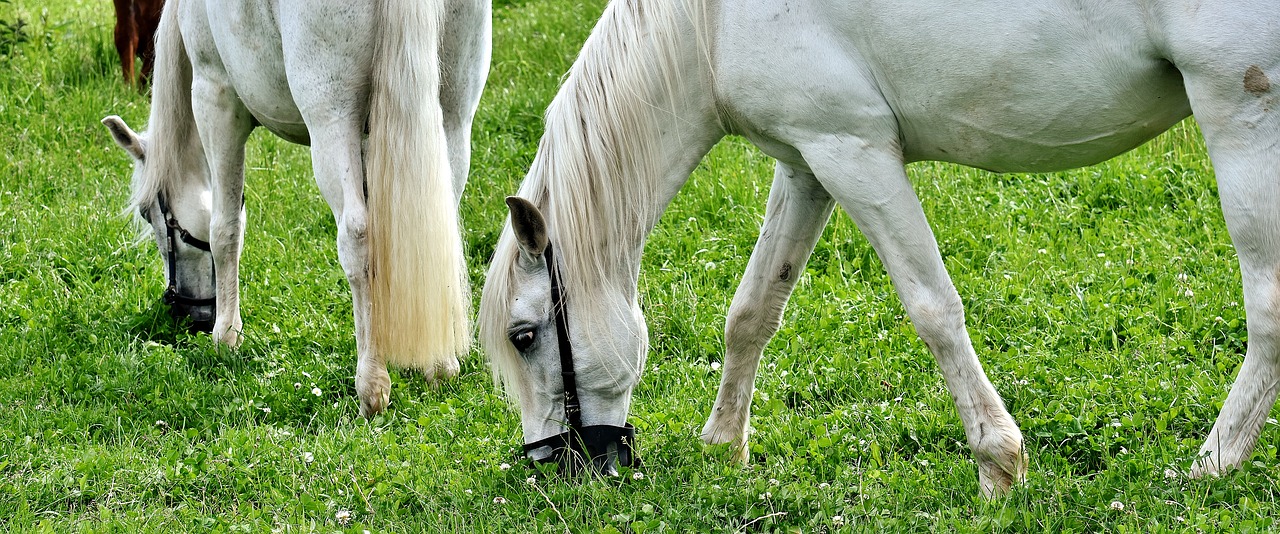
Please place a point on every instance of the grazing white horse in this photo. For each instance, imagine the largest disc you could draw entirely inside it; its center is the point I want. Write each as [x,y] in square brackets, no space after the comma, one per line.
[843,94]
[324,73]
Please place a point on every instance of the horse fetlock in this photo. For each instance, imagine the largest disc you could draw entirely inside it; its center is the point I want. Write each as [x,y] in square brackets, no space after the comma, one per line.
[443,370]
[228,332]
[1002,460]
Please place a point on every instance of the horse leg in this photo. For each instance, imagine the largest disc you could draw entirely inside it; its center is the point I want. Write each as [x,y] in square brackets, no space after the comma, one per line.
[224,125]
[126,37]
[464,67]
[1235,102]
[339,169]
[798,210]
[887,211]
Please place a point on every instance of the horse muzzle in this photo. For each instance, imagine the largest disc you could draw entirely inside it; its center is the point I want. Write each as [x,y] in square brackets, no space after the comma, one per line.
[202,312]
[599,449]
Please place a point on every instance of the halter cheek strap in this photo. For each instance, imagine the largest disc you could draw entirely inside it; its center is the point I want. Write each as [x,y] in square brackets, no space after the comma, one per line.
[173,233]
[589,442]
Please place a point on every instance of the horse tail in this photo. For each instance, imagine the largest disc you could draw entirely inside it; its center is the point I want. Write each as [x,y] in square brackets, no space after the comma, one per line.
[418,278]
[172,140]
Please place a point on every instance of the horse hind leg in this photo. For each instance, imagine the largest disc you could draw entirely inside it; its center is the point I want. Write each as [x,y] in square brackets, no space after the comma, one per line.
[126,38]
[464,67]
[798,210]
[339,172]
[868,179]
[1237,106]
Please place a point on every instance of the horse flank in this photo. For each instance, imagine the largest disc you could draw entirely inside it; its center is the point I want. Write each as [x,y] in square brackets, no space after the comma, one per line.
[419,287]
[594,177]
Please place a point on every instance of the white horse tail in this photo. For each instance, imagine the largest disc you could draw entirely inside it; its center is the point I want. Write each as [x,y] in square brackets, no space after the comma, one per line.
[419,292]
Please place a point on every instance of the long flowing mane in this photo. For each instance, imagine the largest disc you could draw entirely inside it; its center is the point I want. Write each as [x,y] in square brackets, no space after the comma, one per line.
[595,172]
[170,139]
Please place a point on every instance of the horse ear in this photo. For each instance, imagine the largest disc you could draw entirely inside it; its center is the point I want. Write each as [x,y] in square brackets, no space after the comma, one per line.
[529,226]
[130,141]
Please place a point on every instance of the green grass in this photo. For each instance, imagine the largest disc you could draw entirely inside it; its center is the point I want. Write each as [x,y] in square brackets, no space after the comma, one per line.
[1104,302]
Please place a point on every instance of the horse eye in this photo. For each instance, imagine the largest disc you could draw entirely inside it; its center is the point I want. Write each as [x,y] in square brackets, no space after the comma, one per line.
[524,339]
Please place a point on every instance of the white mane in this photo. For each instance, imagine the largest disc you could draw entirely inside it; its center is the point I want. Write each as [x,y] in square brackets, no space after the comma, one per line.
[170,139]
[596,168]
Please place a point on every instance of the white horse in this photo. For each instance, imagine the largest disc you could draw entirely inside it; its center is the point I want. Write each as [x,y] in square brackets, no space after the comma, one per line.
[325,73]
[843,94]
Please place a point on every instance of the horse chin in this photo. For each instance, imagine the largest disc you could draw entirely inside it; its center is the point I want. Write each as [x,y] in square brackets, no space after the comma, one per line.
[573,463]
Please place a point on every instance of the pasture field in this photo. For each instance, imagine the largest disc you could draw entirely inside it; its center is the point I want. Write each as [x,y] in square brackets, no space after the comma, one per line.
[1104,302]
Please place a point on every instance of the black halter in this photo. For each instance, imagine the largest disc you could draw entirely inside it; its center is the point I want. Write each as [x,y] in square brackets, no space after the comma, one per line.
[175,232]
[582,442]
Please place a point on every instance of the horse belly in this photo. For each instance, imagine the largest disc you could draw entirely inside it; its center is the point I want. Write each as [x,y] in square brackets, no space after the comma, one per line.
[1014,86]
[1035,85]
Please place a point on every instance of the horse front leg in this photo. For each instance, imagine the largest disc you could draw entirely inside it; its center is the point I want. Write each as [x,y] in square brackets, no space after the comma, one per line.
[797,211]
[868,179]
[224,125]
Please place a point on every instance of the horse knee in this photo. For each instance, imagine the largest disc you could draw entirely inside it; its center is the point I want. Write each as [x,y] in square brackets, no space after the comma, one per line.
[938,317]
[353,246]
[748,328]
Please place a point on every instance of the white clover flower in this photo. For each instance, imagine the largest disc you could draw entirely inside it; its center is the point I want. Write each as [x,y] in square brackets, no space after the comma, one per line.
[1117,505]
[308,457]
[343,517]
[315,391]
[637,476]
[505,466]
[499,500]
[1170,473]
[297,385]
[1189,293]
[837,520]
[530,481]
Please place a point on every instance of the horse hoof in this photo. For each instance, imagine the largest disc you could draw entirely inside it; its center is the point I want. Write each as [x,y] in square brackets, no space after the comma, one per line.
[374,404]
[996,478]
[373,386]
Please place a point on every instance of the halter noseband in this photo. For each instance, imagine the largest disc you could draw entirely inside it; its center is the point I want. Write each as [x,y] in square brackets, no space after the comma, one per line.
[589,442]
[171,295]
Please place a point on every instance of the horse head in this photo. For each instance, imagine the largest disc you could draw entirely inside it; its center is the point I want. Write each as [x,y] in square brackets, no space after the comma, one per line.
[573,384]
[177,210]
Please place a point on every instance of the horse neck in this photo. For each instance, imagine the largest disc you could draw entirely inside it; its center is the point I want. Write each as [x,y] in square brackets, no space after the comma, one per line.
[634,117]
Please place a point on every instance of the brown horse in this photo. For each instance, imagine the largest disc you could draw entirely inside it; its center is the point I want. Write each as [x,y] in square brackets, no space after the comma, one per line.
[136,22]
